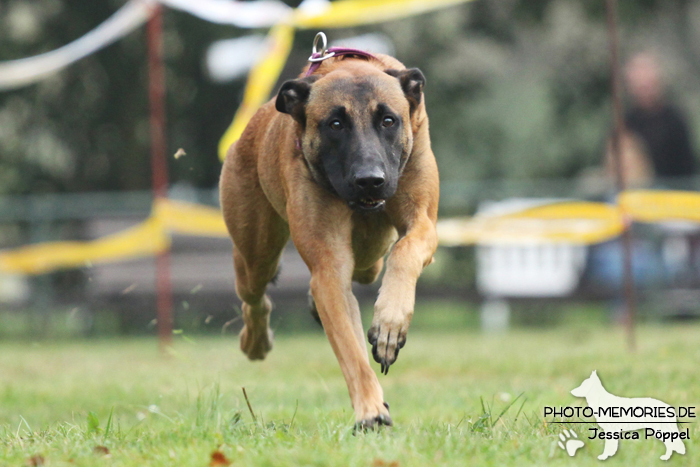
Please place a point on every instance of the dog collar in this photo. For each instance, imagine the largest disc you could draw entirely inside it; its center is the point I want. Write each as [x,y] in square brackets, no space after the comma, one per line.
[319,56]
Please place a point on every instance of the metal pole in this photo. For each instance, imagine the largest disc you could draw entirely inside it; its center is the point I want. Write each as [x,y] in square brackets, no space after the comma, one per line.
[618,129]
[159,166]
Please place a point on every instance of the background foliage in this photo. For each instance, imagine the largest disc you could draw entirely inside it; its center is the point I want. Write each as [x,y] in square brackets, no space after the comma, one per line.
[516,89]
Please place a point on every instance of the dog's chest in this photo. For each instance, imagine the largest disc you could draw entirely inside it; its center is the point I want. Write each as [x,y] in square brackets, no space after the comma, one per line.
[372,236]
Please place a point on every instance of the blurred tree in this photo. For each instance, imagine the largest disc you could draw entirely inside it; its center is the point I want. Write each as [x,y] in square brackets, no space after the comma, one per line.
[519,89]
[516,89]
[86,128]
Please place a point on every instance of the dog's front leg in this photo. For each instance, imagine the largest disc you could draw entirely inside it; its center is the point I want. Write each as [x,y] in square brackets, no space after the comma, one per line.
[322,235]
[610,449]
[394,307]
[330,287]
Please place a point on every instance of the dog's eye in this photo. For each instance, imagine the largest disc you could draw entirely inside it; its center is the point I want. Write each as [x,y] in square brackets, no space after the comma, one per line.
[336,125]
[388,121]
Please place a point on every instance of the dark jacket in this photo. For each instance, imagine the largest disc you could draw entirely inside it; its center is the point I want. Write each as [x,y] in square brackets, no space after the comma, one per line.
[665,133]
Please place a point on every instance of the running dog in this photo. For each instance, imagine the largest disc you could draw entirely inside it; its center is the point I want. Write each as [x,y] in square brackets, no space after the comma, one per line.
[340,161]
[616,415]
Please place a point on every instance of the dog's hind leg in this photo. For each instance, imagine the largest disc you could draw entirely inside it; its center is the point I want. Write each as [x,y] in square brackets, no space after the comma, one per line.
[668,453]
[671,446]
[259,235]
[252,278]
[312,308]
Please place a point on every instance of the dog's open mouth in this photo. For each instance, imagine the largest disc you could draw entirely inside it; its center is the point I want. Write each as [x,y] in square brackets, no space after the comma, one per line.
[368,204]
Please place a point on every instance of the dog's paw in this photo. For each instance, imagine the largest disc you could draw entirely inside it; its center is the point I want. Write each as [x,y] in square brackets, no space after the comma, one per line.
[373,423]
[376,421]
[387,338]
[570,442]
[256,345]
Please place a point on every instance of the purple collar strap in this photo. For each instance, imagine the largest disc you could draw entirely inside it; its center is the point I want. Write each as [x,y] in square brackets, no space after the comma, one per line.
[319,56]
[334,52]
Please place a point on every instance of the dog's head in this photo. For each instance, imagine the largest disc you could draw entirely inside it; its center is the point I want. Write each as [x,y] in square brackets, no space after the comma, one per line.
[356,130]
[588,384]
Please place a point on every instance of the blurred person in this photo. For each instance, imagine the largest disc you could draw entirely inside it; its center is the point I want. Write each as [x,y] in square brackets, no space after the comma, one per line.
[605,260]
[637,169]
[637,166]
[664,130]
[657,122]
[655,148]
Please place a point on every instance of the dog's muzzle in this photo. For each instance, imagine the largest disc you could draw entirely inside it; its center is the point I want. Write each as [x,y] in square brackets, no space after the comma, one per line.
[368,204]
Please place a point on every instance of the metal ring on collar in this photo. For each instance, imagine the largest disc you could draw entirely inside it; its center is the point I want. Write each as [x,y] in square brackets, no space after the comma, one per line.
[323,53]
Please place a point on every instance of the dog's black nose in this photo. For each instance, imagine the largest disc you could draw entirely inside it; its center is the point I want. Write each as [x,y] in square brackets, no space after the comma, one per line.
[370,181]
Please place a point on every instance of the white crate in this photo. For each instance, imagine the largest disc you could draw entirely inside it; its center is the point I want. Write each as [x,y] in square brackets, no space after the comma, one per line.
[527,270]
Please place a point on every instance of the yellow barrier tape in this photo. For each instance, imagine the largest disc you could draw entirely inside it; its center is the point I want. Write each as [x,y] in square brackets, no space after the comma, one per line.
[145,239]
[190,219]
[347,13]
[568,222]
[575,222]
[661,206]
[260,82]
[343,13]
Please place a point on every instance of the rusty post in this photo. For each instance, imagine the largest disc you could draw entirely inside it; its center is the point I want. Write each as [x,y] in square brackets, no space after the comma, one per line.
[159,167]
[618,130]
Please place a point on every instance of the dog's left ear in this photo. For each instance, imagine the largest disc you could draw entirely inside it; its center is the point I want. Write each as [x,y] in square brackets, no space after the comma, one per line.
[412,82]
[292,97]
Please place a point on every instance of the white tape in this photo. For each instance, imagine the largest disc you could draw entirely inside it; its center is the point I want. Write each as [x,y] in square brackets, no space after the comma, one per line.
[17,73]
[259,14]
[376,43]
[314,7]
[229,59]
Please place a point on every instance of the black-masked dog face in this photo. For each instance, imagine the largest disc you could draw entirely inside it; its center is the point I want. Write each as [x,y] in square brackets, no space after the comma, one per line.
[356,130]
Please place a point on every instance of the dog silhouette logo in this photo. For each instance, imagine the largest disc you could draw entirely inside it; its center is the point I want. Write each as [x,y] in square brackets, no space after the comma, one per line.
[621,417]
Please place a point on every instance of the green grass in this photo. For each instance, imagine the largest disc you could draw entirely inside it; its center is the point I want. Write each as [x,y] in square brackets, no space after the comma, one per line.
[60,400]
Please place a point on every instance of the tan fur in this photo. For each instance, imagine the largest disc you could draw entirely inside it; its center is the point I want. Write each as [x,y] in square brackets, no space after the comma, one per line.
[268,193]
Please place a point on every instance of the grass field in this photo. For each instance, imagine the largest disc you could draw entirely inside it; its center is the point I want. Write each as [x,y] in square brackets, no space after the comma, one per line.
[120,403]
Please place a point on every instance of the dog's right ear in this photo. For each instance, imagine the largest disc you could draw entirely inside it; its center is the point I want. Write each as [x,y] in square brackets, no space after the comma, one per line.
[293,95]
[412,82]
